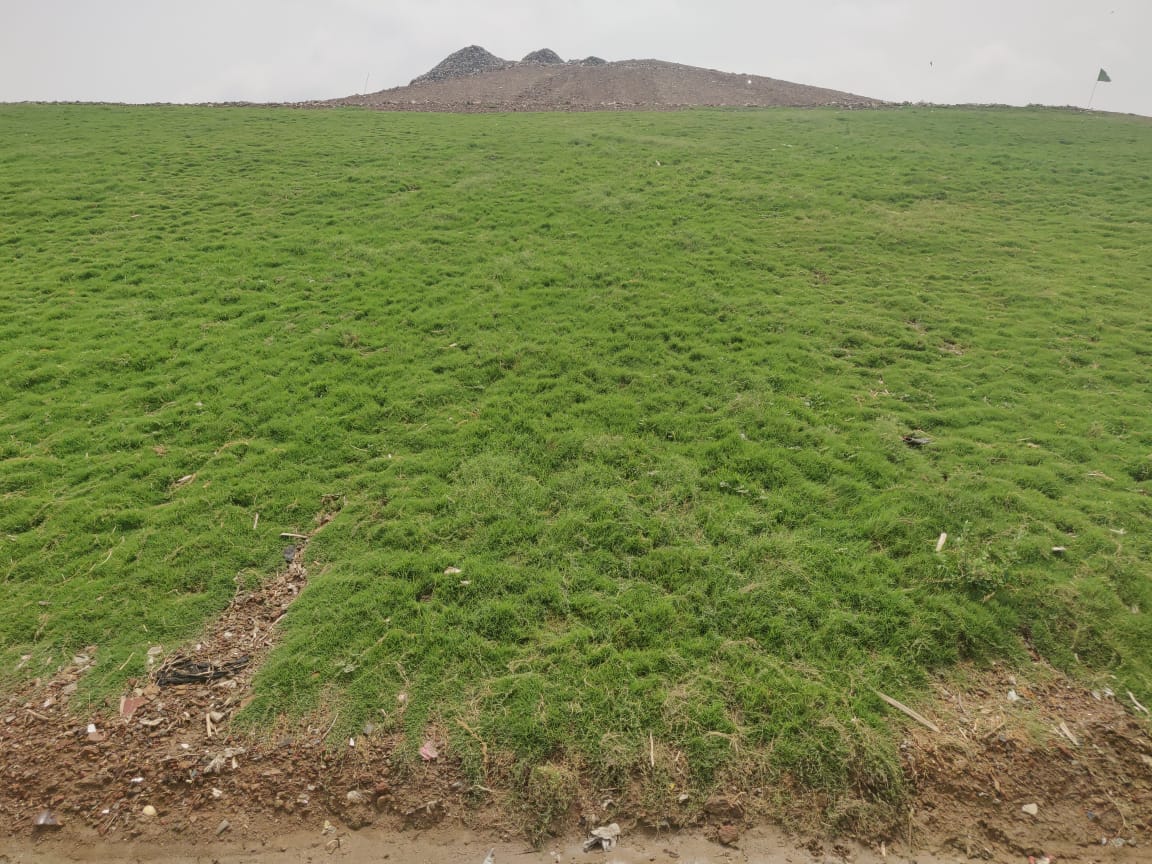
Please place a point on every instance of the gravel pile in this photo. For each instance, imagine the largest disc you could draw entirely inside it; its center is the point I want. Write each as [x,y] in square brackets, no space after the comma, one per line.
[472,60]
[544,57]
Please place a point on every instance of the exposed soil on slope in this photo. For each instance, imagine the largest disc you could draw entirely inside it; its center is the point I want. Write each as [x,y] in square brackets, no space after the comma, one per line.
[1034,768]
[589,86]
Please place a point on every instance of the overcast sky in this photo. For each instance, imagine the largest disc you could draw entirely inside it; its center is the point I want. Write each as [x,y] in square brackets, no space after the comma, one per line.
[1011,51]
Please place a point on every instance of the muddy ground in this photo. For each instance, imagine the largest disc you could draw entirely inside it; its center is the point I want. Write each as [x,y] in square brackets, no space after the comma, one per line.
[1016,764]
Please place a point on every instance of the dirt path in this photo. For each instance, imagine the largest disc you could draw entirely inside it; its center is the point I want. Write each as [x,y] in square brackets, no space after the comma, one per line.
[444,846]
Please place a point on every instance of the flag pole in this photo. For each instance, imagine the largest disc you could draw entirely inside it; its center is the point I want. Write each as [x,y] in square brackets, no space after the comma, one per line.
[1093,96]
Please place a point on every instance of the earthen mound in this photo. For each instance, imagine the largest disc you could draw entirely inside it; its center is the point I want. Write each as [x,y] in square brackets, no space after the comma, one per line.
[544,57]
[474,79]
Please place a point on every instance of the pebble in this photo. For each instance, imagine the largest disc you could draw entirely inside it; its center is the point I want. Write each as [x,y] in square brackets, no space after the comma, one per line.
[729,835]
[222,827]
[46,820]
[1031,809]
[149,811]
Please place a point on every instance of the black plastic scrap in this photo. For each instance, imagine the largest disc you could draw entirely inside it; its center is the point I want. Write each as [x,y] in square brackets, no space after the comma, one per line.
[181,670]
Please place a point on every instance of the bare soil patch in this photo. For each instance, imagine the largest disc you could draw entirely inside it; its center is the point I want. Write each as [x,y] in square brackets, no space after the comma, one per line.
[1033,767]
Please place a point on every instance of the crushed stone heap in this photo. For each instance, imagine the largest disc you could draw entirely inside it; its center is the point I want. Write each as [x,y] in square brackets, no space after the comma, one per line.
[472,60]
[544,57]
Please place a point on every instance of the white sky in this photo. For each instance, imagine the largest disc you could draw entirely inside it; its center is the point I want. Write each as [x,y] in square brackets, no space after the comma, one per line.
[1010,51]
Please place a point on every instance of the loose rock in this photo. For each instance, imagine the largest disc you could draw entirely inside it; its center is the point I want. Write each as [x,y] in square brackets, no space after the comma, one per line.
[605,837]
[46,821]
[729,835]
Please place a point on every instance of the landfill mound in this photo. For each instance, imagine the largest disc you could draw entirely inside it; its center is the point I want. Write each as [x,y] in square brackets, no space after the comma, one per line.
[475,80]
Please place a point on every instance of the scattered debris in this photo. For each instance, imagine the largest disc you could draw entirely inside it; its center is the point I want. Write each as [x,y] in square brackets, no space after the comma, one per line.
[916,440]
[1013,696]
[182,670]
[429,752]
[605,837]
[1136,704]
[1059,550]
[452,571]
[222,827]
[1031,809]
[941,541]
[130,704]
[289,554]
[490,858]
[46,821]
[1067,733]
[900,706]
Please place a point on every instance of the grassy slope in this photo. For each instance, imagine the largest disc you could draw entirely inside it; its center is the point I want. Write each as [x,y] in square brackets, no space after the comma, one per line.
[641,377]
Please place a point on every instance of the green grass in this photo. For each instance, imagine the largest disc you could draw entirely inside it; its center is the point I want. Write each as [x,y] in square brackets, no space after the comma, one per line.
[641,377]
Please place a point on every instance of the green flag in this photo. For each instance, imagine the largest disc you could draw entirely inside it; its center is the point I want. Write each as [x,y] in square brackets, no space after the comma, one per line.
[1103,76]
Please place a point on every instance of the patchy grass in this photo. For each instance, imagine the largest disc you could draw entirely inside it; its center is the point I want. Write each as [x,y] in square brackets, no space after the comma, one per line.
[641,378]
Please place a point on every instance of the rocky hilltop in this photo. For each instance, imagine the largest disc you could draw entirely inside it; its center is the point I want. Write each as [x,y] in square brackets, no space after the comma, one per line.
[474,79]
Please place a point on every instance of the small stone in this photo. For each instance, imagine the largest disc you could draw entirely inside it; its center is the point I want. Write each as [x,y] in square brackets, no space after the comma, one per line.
[1031,809]
[723,808]
[355,796]
[729,835]
[46,821]
[149,811]
[222,827]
